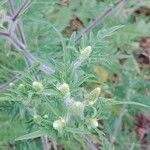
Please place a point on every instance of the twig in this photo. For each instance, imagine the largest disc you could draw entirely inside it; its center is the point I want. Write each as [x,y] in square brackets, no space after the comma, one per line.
[32,59]
[98,20]
[90,144]
[43,67]
[5,34]
[12,80]
[19,25]
[19,29]
[11,7]
[21,47]
[44,140]
[22,7]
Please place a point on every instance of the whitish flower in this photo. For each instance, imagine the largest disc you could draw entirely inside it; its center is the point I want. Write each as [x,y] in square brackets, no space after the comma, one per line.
[77,108]
[93,123]
[85,53]
[64,89]
[59,125]
[93,95]
[45,116]
[11,84]
[37,86]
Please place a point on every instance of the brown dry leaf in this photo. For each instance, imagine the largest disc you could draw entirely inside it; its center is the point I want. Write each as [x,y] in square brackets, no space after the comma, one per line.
[143,10]
[74,25]
[145,46]
[65,2]
[115,78]
[147,78]
[143,54]
[142,128]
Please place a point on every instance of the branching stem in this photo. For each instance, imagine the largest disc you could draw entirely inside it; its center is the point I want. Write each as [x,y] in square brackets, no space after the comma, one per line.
[98,20]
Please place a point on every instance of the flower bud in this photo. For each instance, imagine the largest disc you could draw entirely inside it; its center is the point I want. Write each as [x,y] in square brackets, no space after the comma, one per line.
[77,108]
[37,119]
[64,89]
[85,53]
[59,125]
[93,95]
[37,86]
[21,87]
[93,123]
[45,116]
[11,84]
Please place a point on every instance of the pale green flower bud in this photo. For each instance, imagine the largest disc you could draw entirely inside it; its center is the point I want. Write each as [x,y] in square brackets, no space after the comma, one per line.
[93,95]
[85,53]
[21,87]
[93,123]
[37,86]
[37,119]
[77,108]
[11,84]
[45,116]
[64,89]
[59,125]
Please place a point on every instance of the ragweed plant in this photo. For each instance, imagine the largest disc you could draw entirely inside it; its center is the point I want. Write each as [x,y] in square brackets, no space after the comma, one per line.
[65,102]
[58,107]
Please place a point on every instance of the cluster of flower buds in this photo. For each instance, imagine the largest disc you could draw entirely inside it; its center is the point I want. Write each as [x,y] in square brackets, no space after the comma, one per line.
[93,96]
[37,86]
[77,109]
[64,89]
[84,54]
[59,124]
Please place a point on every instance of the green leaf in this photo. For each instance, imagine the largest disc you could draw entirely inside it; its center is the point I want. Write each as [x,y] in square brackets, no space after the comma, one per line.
[76,131]
[130,103]
[108,32]
[31,135]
